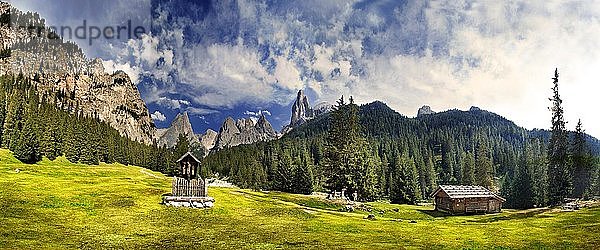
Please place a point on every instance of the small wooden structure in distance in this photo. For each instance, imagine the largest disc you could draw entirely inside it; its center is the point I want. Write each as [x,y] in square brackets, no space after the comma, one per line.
[189,189]
[456,199]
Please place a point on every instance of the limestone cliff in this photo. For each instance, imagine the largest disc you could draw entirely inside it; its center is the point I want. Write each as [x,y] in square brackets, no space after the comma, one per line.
[63,74]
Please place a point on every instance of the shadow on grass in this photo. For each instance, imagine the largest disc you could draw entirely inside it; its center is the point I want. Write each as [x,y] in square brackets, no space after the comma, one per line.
[434,213]
[514,216]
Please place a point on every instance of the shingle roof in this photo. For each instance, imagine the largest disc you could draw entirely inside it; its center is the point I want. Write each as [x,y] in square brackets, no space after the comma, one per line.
[186,154]
[459,192]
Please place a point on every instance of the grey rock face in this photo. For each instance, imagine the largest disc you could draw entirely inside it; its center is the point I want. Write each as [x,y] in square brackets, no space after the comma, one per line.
[61,71]
[244,131]
[208,140]
[301,110]
[179,126]
[425,110]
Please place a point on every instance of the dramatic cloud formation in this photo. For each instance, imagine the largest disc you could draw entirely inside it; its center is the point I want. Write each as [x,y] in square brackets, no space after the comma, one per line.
[158,116]
[222,55]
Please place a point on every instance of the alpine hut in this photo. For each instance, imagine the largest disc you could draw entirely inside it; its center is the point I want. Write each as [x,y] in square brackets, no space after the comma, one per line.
[455,199]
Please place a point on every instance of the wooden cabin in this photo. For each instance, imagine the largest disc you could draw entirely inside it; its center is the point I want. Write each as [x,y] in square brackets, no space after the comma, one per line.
[456,199]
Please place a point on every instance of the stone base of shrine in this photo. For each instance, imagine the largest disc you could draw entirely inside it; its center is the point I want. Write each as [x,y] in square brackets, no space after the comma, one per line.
[193,202]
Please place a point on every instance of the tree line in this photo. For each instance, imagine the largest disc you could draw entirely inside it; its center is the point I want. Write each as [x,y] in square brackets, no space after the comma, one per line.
[33,126]
[380,154]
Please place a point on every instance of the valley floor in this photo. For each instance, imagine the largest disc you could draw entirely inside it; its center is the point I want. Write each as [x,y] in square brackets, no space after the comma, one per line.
[62,205]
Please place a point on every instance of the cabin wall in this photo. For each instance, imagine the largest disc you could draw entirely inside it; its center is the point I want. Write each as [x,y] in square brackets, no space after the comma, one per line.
[443,203]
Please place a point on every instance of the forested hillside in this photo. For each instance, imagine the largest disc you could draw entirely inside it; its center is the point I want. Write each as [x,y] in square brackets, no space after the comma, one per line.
[32,126]
[452,147]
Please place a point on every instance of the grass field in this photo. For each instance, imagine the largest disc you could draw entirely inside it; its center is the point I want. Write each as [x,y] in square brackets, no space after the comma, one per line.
[62,205]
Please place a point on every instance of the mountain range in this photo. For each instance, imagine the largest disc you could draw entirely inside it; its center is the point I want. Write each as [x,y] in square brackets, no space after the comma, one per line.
[64,74]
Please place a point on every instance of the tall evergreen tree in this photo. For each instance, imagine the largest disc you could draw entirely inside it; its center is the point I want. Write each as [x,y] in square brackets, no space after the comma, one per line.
[581,163]
[303,175]
[405,189]
[483,166]
[27,145]
[348,163]
[522,189]
[559,174]
[469,169]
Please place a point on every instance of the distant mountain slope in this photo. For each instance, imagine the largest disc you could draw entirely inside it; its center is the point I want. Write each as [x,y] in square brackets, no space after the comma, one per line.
[62,73]
[379,120]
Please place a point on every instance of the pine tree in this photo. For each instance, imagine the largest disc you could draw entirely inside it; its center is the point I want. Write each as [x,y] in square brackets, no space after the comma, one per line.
[303,175]
[50,141]
[469,169]
[540,173]
[12,124]
[348,163]
[27,146]
[559,179]
[405,189]
[71,142]
[284,172]
[483,166]
[522,189]
[581,163]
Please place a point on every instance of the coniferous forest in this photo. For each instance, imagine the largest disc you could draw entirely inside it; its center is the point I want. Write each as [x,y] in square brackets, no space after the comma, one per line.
[370,149]
[380,154]
[32,126]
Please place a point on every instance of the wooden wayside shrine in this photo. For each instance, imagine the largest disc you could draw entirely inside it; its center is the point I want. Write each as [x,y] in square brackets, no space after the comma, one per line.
[189,189]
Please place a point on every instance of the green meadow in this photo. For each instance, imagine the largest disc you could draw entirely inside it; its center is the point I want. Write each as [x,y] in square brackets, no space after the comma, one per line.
[56,204]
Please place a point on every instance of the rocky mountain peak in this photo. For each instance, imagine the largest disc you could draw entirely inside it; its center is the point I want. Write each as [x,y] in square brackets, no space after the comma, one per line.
[264,127]
[59,67]
[180,125]
[244,131]
[301,110]
[425,110]
[208,140]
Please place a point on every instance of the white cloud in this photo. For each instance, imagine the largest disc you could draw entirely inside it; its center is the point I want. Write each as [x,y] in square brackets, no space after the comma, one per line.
[448,54]
[200,111]
[172,103]
[158,116]
[257,113]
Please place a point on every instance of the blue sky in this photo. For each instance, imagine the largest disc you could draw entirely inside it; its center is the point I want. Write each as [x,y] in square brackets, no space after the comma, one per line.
[221,58]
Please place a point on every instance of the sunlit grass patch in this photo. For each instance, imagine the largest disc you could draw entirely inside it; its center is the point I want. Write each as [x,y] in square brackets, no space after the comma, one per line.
[56,204]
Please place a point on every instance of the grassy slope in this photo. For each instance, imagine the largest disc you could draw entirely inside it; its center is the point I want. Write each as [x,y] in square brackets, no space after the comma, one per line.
[63,205]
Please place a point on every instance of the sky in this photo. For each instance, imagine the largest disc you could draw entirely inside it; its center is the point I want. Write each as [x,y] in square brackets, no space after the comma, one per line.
[242,58]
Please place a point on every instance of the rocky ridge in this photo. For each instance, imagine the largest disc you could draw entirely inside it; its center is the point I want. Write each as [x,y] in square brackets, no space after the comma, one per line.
[179,126]
[425,110]
[62,72]
[303,112]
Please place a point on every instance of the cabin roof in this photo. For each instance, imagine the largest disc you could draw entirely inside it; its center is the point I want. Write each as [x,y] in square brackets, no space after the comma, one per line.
[460,192]
[190,154]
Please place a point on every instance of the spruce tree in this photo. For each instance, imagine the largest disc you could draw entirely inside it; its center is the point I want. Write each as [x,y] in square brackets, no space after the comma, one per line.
[27,145]
[559,174]
[303,175]
[581,163]
[404,188]
[347,160]
[469,169]
[522,189]
[483,166]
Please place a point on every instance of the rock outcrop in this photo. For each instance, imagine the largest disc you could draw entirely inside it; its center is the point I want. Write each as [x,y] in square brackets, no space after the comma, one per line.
[425,110]
[179,126]
[302,111]
[208,140]
[61,72]
[244,131]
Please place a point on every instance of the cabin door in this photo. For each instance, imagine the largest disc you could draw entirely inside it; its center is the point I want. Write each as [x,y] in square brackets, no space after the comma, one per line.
[492,205]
